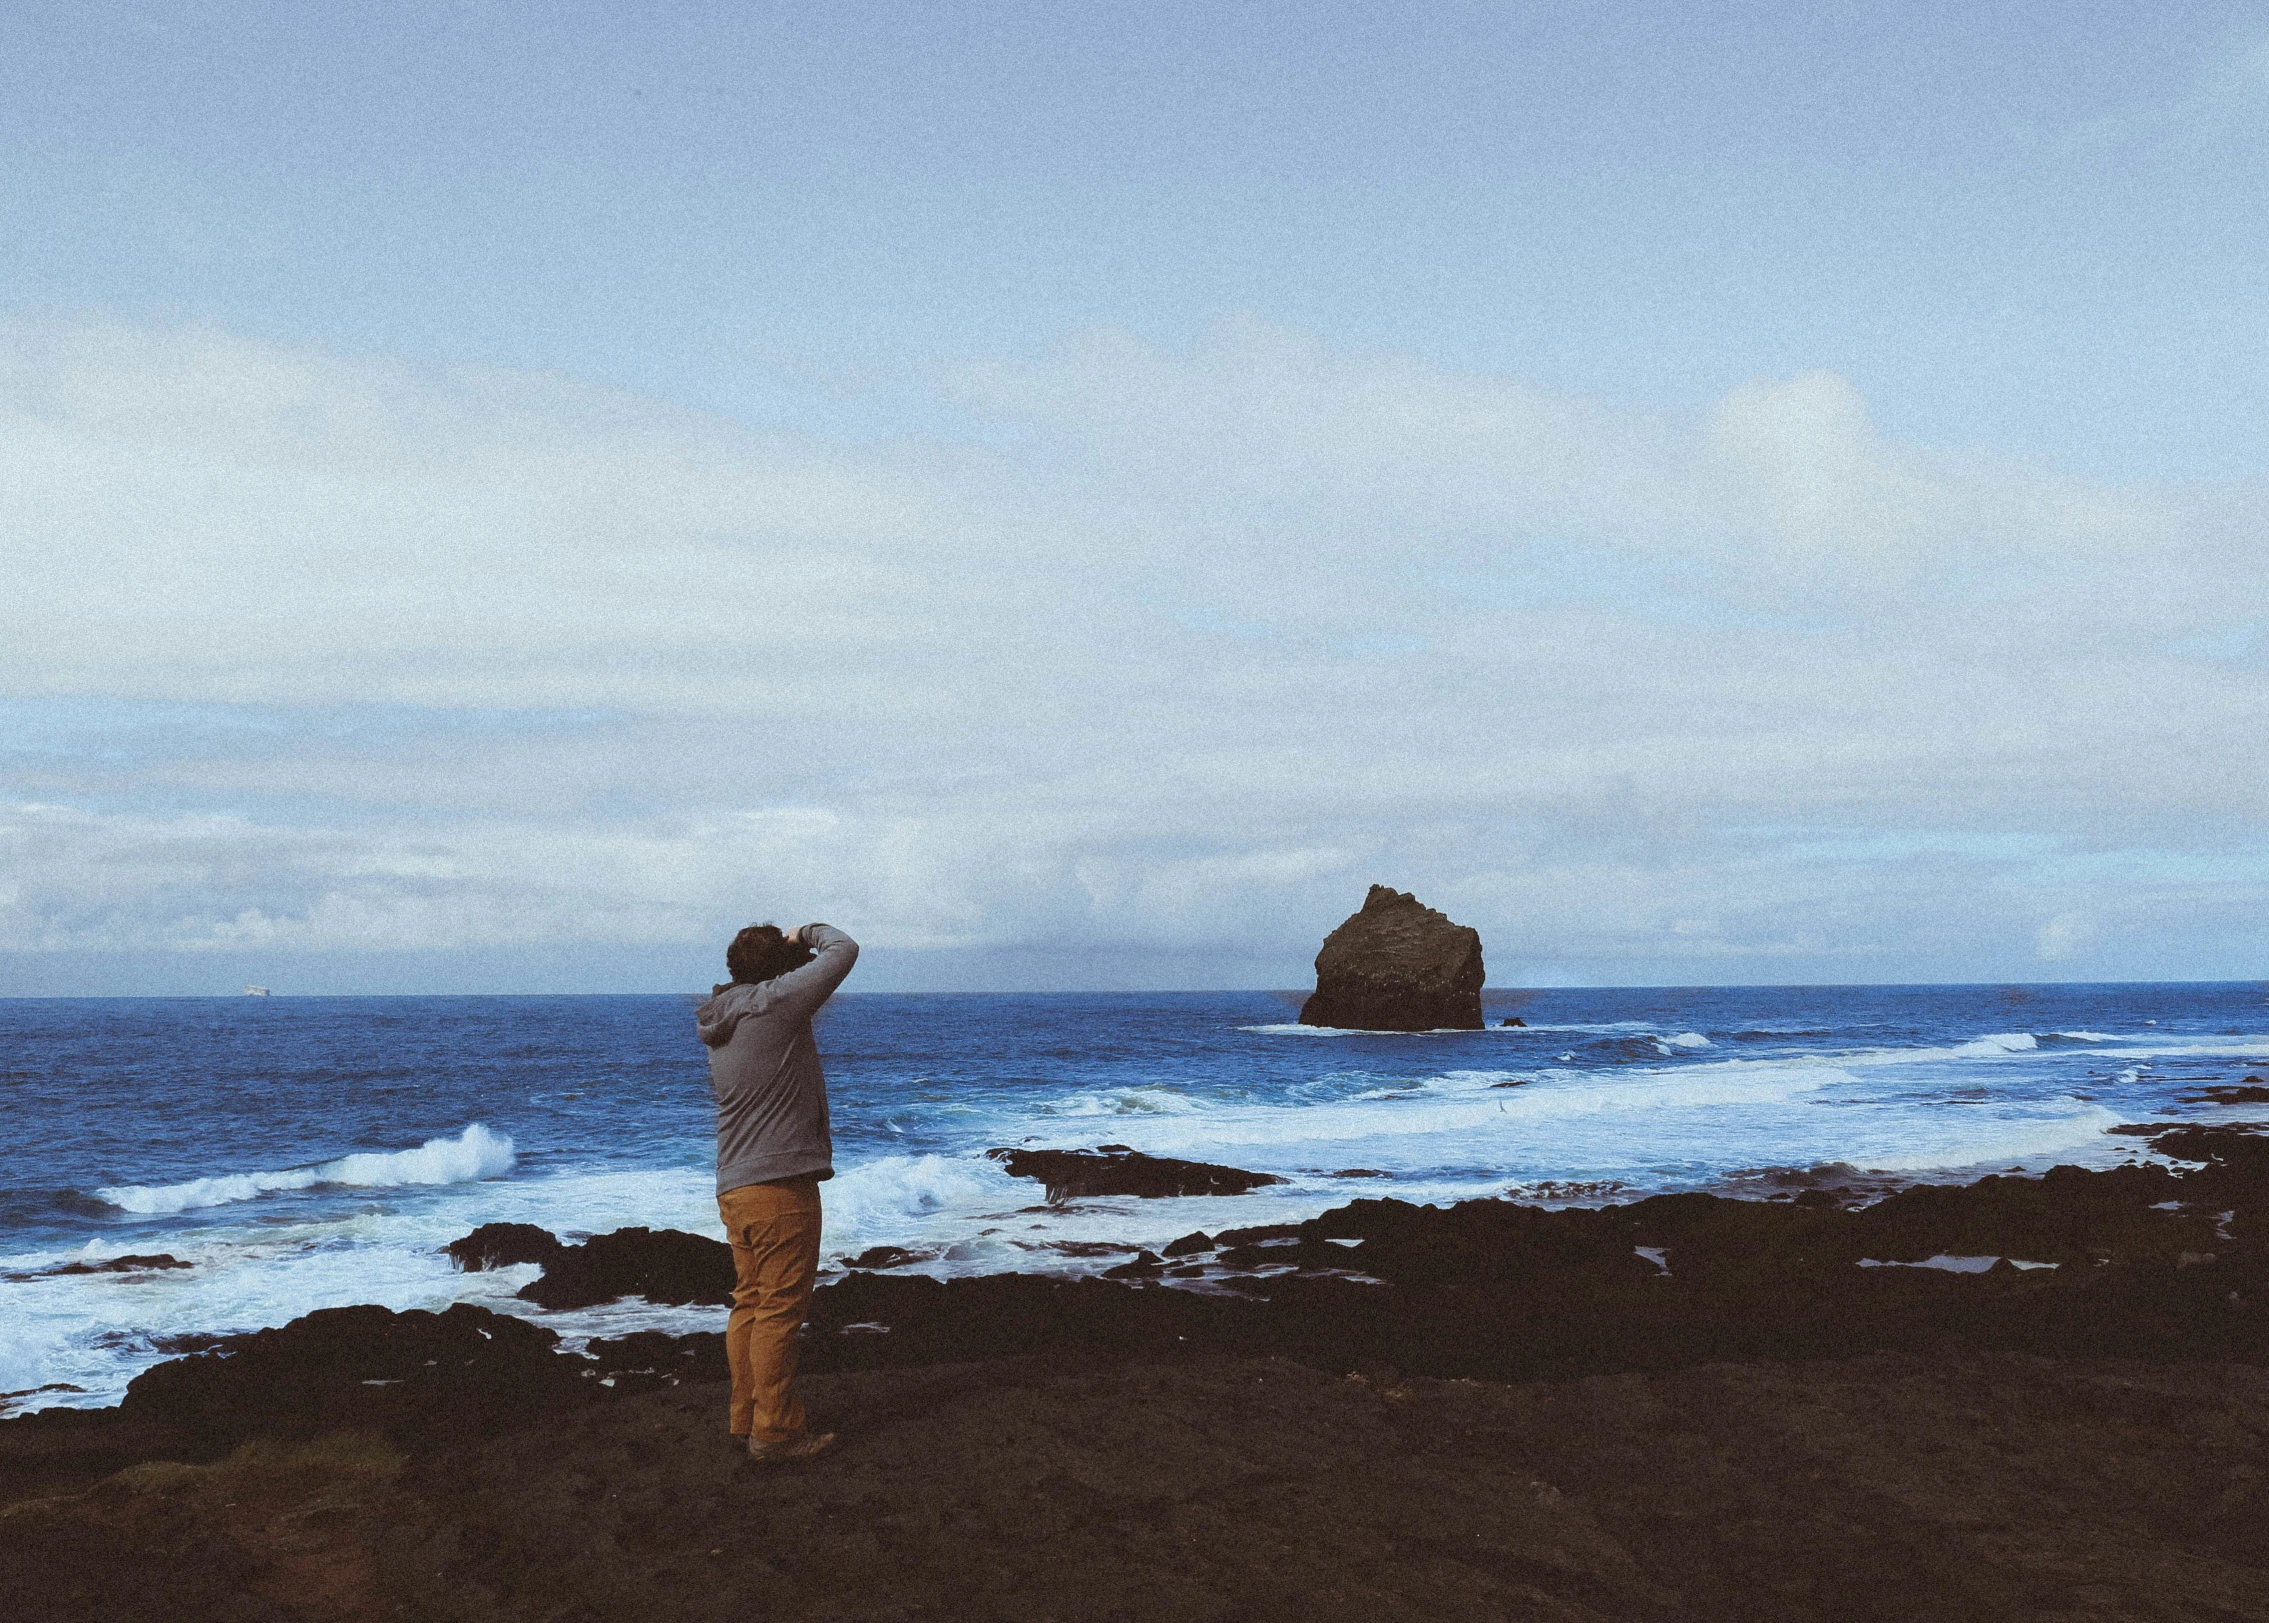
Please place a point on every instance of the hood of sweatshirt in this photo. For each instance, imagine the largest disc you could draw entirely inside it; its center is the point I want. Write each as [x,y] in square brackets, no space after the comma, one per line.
[728,1005]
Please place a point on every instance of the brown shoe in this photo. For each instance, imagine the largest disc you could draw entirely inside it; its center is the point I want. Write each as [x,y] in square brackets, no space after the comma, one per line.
[801,1447]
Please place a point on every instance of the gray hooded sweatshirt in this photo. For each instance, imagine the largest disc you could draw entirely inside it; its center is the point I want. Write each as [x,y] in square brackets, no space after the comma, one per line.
[764,1068]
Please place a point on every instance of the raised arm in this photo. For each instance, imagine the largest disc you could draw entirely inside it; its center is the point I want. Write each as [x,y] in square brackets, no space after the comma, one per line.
[802,991]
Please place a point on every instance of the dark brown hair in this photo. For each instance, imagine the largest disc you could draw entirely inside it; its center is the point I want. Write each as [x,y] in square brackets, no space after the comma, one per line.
[762,951]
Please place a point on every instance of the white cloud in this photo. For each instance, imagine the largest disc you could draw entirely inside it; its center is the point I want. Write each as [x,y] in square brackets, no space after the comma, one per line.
[1210,640]
[2063,936]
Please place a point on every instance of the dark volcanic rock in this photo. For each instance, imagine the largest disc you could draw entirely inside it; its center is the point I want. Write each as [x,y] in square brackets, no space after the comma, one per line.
[1147,1265]
[2251,1091]
[109,1265]
[1501,1291]
[1070,1174]
[1397,965]
[1944,1486]
[883,1256]
[646,1359]
[2151,1262]
[412,1374]
[662,1265]
[2230,1150]
[500,1245]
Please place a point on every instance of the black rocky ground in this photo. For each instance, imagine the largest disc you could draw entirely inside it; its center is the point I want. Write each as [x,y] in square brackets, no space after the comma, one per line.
[2142,1261]
[1895,1486]
[2144,1268]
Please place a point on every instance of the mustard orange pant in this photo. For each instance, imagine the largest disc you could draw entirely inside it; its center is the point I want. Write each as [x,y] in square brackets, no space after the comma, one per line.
[774,1228]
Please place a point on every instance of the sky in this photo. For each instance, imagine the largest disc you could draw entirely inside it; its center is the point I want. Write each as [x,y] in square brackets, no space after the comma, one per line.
[494,497]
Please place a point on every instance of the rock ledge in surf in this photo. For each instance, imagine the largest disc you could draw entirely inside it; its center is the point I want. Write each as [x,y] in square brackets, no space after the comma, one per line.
[1070,1174]
[411,1374]
[663,1265]
[500,1245]
[107,1265]
[1397,965]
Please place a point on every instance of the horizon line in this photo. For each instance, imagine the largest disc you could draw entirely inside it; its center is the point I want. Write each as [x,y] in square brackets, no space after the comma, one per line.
[1182,991]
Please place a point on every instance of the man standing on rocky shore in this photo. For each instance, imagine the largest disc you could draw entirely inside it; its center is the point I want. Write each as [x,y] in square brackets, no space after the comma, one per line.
[773,1152]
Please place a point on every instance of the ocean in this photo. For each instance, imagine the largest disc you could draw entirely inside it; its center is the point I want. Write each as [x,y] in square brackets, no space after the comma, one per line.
[309,1152]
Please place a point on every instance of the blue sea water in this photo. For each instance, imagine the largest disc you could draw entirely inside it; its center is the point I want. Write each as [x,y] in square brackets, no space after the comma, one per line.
[309,1152]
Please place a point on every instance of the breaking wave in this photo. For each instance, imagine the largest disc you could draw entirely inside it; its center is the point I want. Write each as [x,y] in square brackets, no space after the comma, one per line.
[475,1153]
[2000,1042]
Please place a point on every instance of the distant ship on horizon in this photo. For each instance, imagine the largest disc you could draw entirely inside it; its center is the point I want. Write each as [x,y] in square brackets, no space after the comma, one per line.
[258,991]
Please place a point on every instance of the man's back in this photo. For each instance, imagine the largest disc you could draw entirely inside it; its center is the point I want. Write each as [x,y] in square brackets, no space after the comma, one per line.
[764,1068]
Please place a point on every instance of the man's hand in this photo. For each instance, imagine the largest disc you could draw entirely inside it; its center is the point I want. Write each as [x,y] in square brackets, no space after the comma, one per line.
[795,937]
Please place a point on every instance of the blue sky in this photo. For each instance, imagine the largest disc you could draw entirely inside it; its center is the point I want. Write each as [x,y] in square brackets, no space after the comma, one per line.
[1748,493]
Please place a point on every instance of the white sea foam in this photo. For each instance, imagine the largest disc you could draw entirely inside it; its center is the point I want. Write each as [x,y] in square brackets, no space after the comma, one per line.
[1469,1103]
[1684,1040]
[1938,1144]
[874,1202]
[1610,1028]
[1997,1045]
[474,1153]
[2000,1042]
[2245,1048]
[1289,1029]
[1125,1102]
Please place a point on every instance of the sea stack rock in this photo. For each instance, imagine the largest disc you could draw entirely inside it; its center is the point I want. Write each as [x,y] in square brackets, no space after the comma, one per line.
[1397,965]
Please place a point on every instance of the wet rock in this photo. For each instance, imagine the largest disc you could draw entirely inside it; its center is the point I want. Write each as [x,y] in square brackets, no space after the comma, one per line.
[1513,1020]
[2252,1091]
[500,1245]
[2068,1215]
[625,1362]
[1475,1242]
[1270,1231]
[108,1265]
[187,1341]
[9,1400]
[2232,1175]
[1359,1172]
[1397,965]
[1146,1265]
[883,1256]
[412,1374]
[1265,1254]
[2150,1269]
[1072,1174]
[2231,1149]
[1308,1253]
[665,1266]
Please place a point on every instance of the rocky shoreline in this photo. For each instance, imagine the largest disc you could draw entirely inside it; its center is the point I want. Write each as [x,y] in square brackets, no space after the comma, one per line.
[2045,1282]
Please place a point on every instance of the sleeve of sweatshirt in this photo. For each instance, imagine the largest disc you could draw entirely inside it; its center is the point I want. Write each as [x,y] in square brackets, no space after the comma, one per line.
[800,992]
